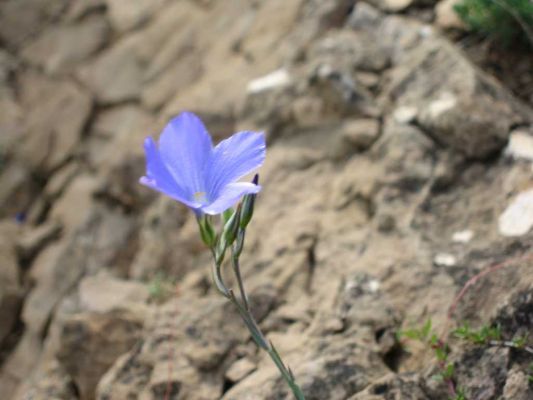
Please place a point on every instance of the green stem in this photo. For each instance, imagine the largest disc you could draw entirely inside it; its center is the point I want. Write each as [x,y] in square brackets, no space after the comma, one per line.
[237,271]
[246,315]
[261,341]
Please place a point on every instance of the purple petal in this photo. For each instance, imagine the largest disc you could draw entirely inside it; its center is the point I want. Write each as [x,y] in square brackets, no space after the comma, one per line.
[229,196]
[233,158]
[186,147]
[159,178]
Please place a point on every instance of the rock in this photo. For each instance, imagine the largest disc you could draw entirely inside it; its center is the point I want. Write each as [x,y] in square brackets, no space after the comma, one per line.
[159,362]
[34,240]
[520,145]
[466,110]
[356,50]
[91,342]
[369,80]
[17,189]
[445,260]
[446,17]
[162,244]
[308,111]
[341,94]
[391,5]
[125,17]
[19,20]
[360,133]
[464,236]
[405,115]
[277,79]
[181,74]
[60,180]
[486,368]
[60,110]
[335,374]
[120,170]
[262,39]
[517,386]
[517,219]
[240,369]
[63,47]
[52,382]
[400,387]
[10,289]
[364,17]
[104,294]
[79,8]
[74,206]
[406,153]
[116,75]
[122,127]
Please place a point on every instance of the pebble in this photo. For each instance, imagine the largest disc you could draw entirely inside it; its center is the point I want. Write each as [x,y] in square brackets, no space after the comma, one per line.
[517,219]
[277,79]
[445,260]
[463,236]
[520,145]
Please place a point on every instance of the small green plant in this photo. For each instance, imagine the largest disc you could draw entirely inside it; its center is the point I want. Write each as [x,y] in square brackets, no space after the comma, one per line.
[460,395]
[508,21]
[427,336]
[160,288]
[486,335]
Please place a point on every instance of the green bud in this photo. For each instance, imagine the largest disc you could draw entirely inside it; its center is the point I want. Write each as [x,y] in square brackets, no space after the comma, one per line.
[231,227]
[206,231]
[226,215]
[247,209]
[239,243]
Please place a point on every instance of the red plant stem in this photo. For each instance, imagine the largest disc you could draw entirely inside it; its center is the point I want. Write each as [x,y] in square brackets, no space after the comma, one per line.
[472,281]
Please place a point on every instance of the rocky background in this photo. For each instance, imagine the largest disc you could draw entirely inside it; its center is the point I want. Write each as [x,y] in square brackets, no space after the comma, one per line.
[398,166]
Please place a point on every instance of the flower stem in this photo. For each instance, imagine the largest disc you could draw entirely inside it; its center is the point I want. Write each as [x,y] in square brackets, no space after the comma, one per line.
[262,342]
[237,271]
[253,326]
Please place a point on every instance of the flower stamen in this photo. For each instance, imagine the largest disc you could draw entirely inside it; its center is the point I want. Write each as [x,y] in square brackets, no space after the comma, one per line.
[200,197]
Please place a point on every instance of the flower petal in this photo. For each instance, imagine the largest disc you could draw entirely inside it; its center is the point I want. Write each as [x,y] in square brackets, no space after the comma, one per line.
[185,147]
[159,178]
[233,158]
[229,196]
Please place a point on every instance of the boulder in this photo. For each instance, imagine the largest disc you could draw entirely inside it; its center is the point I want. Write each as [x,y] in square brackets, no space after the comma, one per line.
[458,105]
[63,47]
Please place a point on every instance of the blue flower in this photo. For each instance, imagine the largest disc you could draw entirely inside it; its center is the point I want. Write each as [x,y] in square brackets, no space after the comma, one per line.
[186,167]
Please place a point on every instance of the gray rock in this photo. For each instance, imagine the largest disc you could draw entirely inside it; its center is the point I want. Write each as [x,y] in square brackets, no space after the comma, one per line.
[126,16]
[19,20]
[400,387]
[10,289]
[459,105]
[446,17]
[54,127]
[61,48]
[159,362]
[116,74]
[17,189]
[360,133]
[392,5]
[91,342]
[33,240]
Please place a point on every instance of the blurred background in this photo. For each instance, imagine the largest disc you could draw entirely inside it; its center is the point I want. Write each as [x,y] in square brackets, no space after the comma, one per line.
[399,167]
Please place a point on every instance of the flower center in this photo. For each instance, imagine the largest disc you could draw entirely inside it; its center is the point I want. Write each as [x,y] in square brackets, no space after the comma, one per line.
[200,197]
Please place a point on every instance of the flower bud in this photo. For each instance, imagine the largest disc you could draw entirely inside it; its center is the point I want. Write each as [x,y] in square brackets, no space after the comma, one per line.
[231,227]
[247,209]
[206,231]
